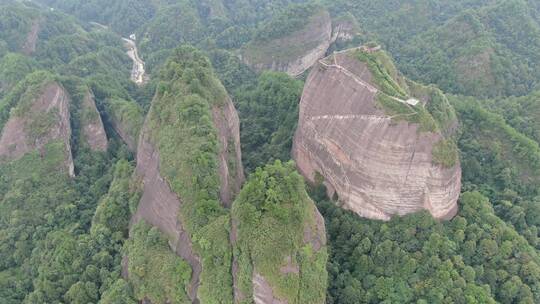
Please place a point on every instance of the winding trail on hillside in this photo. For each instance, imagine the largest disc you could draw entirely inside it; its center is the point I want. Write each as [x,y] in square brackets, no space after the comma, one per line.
[138,73]
[372,89]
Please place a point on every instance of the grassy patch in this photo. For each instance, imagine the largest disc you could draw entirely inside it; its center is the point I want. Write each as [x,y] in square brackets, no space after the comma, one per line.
[273,210]
[445,153]
[21,97]
[127,113]
[39,124]
[155,271]
[383,72]
[404,112]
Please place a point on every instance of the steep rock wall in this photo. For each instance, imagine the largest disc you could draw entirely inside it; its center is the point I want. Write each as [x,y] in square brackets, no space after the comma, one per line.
[29,46]
[294,53]
[159,207]
[93,131]
[45,120]
[126,118]
[121,129]
[231,171]
[377,165]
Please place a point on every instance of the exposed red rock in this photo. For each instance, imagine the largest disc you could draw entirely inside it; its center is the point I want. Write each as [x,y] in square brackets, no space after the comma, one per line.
[93,131]
[159,205]
[231,171]
[379,167]
[294,53]
[47,120]
[29,46]
[262,291]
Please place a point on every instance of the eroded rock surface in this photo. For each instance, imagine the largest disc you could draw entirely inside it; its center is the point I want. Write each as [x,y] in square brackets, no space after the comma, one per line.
[29,46]
[379,167]
[345,28]
[159,207]
[93,131]
[46,120]
[294,53]
[231,171]
[126,137]
[262,291]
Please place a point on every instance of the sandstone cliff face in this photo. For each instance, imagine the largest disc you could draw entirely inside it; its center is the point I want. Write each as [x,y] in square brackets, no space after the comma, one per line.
[29,46]
[126,118]
[231,171]
[121,129]
[159,206]
[93,131]
[377,165]
[345,28]
[294,53]
[45,120]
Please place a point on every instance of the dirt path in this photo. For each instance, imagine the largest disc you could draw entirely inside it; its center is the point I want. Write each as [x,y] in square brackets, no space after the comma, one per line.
[372,89]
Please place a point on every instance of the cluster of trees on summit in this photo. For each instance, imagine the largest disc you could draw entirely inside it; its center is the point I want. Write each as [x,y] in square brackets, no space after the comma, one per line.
[62,239]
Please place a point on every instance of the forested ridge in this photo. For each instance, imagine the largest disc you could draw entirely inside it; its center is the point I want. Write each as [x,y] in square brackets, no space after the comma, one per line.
[70,239]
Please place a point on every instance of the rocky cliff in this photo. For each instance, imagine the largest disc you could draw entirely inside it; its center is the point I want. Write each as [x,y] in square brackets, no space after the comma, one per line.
[126,118]
[379,148]
[92,125]
[292,49]
[29,46]
[345,28]
[231,172]
[189,162]
[41,117]
[159,207]
[279,240]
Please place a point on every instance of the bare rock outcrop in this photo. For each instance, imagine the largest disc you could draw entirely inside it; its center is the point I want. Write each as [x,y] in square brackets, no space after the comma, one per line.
[378,165]
[45,119]
[159,207]
[345,28]
[231,171]
[93,130]
[29,46]
[126,118]
[294,53]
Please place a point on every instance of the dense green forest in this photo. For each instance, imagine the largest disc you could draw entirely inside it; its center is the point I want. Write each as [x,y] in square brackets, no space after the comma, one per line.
[63,239]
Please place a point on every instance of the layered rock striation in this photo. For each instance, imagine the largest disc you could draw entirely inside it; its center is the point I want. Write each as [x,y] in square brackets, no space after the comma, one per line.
[378,161]
[36,122]
[159,207]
